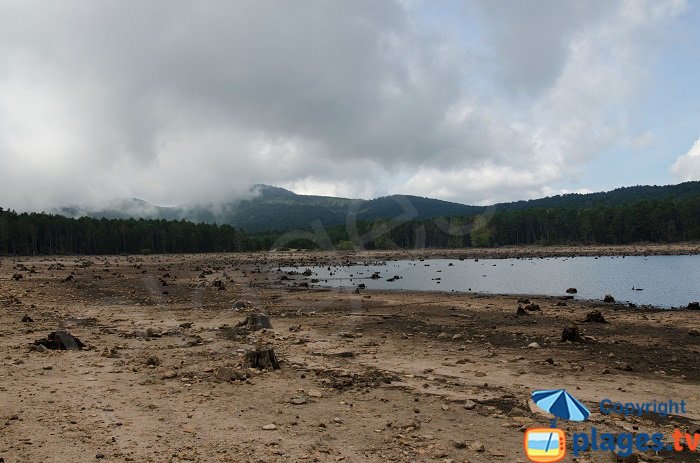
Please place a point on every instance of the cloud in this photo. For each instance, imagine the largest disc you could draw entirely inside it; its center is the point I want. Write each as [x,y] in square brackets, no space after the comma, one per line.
[182,102]
[687,167]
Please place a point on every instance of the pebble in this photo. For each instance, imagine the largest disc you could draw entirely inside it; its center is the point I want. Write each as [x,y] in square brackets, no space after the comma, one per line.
[269,427]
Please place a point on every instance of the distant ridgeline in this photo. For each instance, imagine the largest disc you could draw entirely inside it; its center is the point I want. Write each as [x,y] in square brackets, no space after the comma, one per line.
[627,215]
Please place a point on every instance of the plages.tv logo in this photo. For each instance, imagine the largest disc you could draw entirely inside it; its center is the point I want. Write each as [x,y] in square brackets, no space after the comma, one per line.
[548,445]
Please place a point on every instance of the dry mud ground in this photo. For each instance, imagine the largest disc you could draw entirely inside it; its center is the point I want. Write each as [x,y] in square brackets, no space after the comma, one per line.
[370,377]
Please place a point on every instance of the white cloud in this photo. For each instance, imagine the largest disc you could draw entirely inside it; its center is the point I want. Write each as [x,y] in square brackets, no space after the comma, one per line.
[687,167]
[198,101]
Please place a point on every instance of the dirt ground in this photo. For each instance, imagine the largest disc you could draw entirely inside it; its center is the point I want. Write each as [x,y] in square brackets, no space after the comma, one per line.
[372,376]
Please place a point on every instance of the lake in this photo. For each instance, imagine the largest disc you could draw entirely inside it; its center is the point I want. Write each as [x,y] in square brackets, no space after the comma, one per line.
[664,281]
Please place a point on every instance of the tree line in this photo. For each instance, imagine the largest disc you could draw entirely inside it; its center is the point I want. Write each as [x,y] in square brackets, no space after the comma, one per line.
[662,220]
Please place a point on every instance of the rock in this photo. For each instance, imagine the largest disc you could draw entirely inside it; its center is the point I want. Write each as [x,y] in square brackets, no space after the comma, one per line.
[571,334]
[595,316]
[269,427]
[571,291]
[523,301]
[694,306]
[219,285]
[694,332]
[227,374]
[186,325]
[533,345]
[561,304]
[241,304]
[152,361]
[608,298]
[443,335]
[298,400]
[17,276]
[315,393]
[477,446]
[42,349]
[256,322]
[27,319]
[521,311]
[459,444]
[532,308]
[457,337]
[469,404]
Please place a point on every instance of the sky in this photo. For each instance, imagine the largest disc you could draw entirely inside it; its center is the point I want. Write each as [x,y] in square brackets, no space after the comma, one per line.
[477,102]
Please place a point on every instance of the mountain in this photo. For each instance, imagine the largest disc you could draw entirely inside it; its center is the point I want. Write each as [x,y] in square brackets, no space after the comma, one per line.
[276,209]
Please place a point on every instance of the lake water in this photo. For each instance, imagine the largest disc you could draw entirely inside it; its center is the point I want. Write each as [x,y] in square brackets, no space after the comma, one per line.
[665,281]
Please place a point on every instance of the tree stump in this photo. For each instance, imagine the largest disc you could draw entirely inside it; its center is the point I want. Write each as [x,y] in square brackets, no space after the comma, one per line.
[256,322]
[595,317]
[262,359]
[60,340]
[571,333]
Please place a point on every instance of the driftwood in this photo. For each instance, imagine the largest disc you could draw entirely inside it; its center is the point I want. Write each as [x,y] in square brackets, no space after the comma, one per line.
[262,359]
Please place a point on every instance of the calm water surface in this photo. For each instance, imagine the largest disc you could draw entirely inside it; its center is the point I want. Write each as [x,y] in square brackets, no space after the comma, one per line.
[666,281]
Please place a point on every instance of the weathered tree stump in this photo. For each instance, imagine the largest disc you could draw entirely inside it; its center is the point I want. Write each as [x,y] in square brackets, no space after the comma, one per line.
[60,340]
[571,333]
[595,317]
[256,322]
[262,359]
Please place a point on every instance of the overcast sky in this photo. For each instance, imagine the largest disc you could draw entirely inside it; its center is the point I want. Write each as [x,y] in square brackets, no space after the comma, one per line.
[476,101]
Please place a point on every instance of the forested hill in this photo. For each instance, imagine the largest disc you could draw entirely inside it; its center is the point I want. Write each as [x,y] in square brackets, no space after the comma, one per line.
[655,220]
[619,196]
[276,209]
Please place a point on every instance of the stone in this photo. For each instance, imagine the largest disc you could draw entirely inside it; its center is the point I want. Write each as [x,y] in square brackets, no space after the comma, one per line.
[694,306]
[608,298]
[571,291]
[694,332]
[269,427]
[469,404]
[533,345]
[477,446]
[315,393]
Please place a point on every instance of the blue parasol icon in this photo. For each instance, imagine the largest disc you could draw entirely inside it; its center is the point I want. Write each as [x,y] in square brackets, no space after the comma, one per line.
[561,404]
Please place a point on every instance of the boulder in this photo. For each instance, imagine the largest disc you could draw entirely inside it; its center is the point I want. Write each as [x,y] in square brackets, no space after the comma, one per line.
[571,291]
[694,306]
[608,298]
